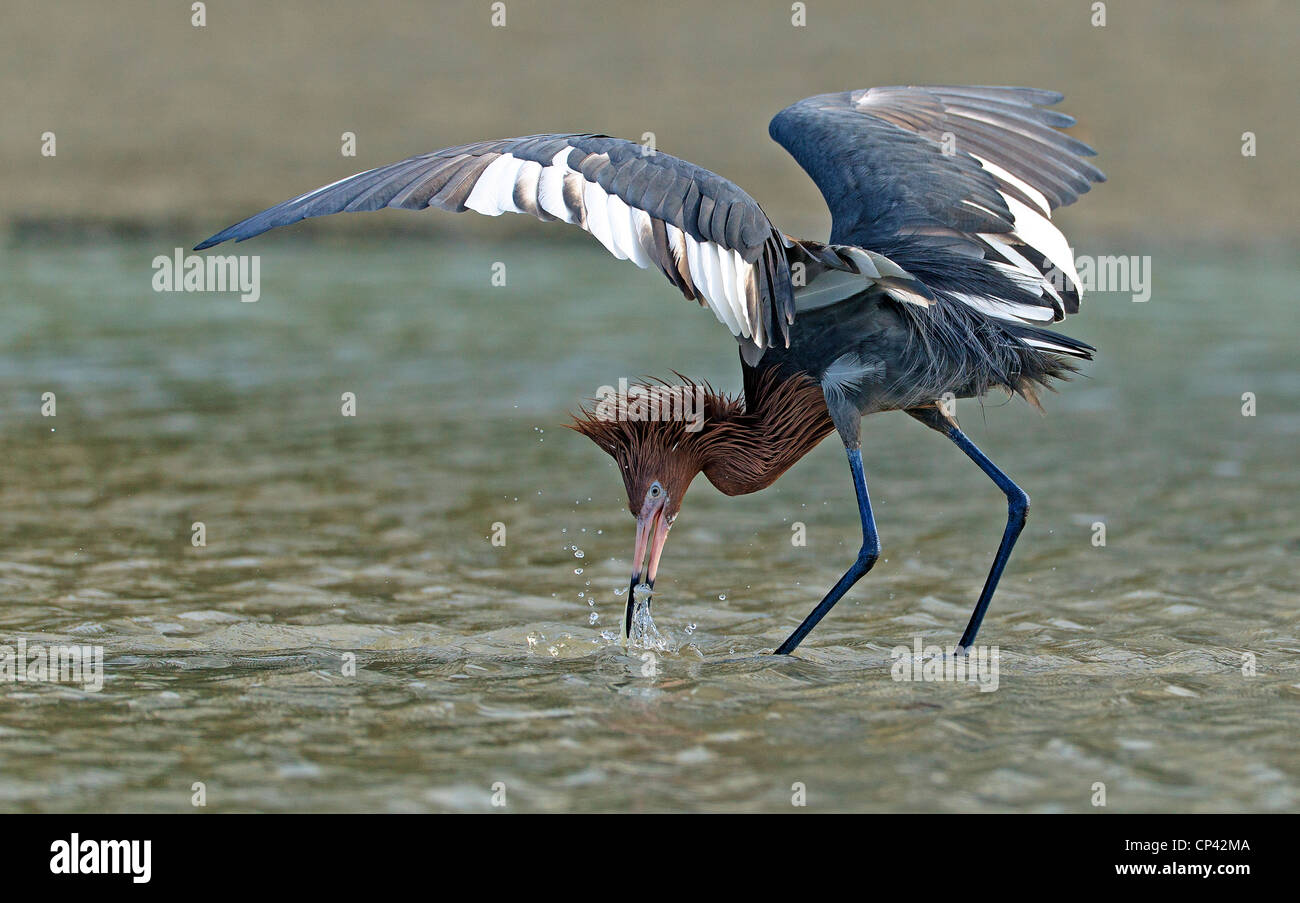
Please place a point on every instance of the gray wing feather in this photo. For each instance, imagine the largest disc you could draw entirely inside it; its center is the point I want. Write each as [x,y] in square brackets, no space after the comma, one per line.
[950,173]
[654,208]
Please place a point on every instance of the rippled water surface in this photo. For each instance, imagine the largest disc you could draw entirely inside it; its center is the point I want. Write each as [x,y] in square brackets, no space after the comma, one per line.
[481,665]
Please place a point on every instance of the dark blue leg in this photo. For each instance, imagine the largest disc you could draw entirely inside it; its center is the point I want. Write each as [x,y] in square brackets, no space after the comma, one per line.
[1017,512]
[867,556]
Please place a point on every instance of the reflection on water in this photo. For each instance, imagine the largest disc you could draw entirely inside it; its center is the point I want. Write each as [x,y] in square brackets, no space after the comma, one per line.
[353,636]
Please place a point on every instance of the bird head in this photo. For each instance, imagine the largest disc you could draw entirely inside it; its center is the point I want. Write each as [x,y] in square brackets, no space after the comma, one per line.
[658,434]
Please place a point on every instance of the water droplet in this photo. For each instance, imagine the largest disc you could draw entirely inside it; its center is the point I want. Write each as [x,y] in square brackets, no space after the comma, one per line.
[722,597]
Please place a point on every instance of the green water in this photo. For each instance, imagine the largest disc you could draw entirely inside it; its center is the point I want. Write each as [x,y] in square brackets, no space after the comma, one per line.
[481,665]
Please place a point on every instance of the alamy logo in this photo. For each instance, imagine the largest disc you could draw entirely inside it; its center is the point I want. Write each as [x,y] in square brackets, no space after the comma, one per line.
[924,664]
[214,273]
[652,403]
[53,664]
[103,857]
[1108,273]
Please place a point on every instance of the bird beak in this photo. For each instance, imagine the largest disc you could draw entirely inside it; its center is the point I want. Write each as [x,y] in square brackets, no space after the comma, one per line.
[651,533]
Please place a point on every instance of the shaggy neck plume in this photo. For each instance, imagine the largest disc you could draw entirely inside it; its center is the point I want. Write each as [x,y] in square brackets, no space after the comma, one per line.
[749,449]
[739,448]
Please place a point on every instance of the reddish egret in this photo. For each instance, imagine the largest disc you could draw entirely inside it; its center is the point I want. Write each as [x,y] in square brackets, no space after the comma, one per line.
[941,268]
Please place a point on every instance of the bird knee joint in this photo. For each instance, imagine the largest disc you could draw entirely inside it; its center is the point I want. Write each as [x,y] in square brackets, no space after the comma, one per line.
[1018,505]
[868,556]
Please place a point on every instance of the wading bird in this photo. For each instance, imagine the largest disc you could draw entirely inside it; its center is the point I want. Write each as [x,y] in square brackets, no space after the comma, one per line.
[941,268]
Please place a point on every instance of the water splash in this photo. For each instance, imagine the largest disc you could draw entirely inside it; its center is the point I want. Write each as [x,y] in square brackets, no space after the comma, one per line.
[644,634]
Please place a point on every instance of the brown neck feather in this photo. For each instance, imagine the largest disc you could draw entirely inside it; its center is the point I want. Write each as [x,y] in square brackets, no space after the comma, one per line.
[747,450]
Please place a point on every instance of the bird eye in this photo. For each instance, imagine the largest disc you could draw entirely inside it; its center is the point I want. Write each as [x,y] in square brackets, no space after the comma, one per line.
[655,491]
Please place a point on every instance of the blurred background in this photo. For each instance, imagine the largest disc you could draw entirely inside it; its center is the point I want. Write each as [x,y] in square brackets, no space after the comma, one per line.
[1157,565]
[160,122]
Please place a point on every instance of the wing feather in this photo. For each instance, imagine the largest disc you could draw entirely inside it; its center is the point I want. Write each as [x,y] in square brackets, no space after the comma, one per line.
[708,237]
[938,177]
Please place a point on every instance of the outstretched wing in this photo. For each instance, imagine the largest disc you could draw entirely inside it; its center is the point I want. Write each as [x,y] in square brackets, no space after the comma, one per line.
[704,233]
[961,180]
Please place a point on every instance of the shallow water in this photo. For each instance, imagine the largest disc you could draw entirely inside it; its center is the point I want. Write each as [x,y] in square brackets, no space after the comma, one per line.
[479,664]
